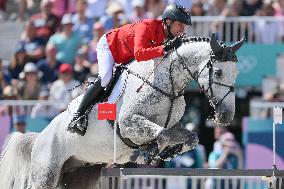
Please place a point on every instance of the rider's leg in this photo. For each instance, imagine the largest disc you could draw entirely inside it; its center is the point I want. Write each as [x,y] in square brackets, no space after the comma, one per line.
[96,90]
[80,120]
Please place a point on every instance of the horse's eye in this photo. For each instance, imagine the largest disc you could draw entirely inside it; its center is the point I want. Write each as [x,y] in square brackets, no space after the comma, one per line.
[218,73]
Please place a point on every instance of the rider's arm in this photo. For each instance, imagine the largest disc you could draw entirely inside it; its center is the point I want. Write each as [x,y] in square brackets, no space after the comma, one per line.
[143,49]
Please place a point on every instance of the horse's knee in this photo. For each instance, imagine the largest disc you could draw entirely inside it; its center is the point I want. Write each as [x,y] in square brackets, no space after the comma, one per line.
[124,124]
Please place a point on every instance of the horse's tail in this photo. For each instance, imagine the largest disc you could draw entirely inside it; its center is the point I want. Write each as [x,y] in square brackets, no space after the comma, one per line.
[15,160]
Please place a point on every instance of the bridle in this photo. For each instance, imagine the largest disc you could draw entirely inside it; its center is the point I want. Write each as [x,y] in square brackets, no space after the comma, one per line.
[214,102]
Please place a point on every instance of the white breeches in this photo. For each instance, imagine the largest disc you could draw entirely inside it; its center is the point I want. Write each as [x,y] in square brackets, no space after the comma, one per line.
[105,61]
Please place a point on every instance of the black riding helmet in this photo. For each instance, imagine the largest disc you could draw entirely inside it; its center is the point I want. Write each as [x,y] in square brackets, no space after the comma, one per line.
[177,13]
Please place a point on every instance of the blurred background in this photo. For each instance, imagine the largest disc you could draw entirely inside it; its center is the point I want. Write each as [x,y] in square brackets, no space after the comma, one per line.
[36,72]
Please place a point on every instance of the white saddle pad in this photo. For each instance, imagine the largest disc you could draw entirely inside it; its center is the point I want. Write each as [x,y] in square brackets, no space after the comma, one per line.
[114,96]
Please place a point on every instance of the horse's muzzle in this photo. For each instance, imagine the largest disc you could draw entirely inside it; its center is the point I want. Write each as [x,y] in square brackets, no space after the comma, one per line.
[223,116]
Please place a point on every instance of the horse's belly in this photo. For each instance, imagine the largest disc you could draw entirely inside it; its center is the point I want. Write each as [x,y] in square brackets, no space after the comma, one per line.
[97,145]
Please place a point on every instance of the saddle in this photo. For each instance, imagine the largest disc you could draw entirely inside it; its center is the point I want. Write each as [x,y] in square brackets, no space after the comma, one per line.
[117,73]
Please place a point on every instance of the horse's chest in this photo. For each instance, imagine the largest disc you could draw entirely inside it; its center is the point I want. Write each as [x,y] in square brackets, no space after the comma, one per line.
[157,108]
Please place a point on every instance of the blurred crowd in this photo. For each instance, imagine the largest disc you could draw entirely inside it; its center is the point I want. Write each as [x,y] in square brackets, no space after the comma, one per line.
[57,48]
[134,10]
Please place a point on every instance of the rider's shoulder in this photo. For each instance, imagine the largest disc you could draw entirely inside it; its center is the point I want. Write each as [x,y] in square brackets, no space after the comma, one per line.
[152,21]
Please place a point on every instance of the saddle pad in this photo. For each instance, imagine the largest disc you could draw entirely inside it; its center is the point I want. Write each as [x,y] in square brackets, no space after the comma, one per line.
[114,96]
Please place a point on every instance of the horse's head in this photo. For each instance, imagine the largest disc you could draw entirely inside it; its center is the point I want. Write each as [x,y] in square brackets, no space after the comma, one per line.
[217,78]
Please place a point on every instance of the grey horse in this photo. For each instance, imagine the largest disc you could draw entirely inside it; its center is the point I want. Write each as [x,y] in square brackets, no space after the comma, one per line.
[150,105]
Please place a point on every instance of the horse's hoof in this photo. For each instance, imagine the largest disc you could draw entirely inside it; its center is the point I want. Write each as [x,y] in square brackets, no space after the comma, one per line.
[171,151]
[193,141]
[133,158]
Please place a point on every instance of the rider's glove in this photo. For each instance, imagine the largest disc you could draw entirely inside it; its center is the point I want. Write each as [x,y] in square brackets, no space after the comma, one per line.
[173,43]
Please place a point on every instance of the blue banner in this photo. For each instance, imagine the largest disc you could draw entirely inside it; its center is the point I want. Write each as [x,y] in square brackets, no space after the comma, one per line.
[255,62]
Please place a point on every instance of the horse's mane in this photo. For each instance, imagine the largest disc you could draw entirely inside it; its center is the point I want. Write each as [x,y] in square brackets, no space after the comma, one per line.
[195,39]
[201,39]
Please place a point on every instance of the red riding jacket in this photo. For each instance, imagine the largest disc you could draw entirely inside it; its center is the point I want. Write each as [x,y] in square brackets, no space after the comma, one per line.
[142,40]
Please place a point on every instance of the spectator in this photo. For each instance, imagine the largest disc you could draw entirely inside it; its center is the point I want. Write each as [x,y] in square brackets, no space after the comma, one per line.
[30,88]
[33,45]
[18,61]
[232,9]
[127,6]
[250,7]
[19,123]
[49,66]
[218,132]
[5,78]
[45,22]
[81,67]
[197,9]
[138,12]
[59,89]
[66,42]
[96,9]
[155,8]
[2,9]
[216,7]
[44,111]
[230,157]
[28,7]
[268,32]
[279,7]
[10,93]
[82,24]
[185,3]
[62,7]
[114,18]
[98,32]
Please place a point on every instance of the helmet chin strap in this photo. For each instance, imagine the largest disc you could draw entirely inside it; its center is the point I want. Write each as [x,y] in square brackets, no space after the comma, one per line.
[169,30]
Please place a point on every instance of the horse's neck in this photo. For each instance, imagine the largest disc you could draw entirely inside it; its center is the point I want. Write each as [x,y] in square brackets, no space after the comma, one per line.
[163,71]
[184,63]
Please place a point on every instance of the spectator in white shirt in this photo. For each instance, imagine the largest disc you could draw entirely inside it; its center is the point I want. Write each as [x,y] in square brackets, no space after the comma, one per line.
[59,89]
[268,32]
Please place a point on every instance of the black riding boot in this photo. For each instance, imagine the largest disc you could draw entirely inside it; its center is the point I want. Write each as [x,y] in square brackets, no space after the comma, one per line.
[80,121]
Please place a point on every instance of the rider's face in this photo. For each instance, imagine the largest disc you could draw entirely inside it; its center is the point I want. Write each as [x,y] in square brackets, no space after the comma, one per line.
[177,28]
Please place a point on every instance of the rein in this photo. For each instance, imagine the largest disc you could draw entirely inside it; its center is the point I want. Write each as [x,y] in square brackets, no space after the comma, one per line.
[172,96]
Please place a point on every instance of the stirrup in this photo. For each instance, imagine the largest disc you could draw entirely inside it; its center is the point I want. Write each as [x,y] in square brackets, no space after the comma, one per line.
[79,124]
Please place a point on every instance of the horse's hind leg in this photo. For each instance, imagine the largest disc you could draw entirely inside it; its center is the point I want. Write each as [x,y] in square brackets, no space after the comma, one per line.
[46,164]
[45,176]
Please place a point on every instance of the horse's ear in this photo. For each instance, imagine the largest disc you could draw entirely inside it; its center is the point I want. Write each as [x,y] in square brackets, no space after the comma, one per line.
[238,45]
[215,46]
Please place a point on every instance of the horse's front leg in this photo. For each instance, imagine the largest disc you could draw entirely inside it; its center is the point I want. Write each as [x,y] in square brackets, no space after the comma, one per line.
[142,132]
[139,129]
[175,140]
